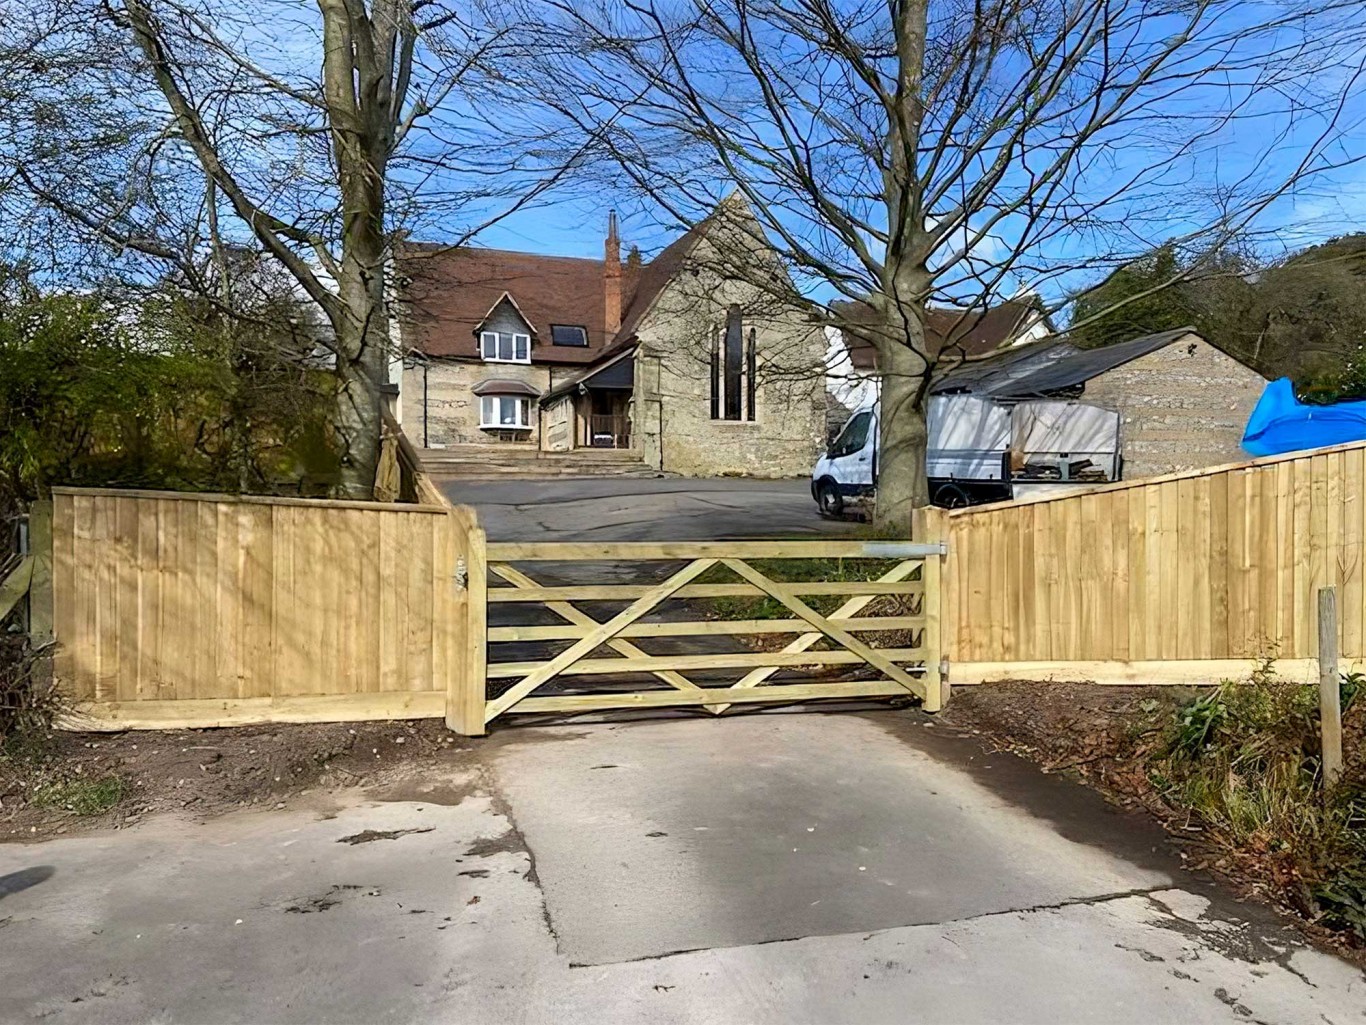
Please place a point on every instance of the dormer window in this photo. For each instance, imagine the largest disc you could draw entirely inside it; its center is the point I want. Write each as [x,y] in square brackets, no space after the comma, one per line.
[569,334]
[505,347]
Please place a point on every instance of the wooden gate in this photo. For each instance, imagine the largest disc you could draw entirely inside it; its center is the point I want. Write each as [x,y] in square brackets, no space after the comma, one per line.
[669,640]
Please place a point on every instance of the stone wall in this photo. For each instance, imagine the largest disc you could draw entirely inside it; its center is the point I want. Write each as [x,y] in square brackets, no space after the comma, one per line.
[1181,408]
[672,408]
[451,413]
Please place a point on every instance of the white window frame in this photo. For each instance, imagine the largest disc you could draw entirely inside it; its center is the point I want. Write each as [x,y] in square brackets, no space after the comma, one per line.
[519,346]
[491,410]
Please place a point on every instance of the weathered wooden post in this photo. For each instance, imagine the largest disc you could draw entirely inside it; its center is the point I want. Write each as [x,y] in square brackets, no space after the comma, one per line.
[1330,696]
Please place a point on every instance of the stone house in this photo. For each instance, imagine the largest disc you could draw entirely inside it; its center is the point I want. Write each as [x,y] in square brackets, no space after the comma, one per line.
[683,362]
[1183,404]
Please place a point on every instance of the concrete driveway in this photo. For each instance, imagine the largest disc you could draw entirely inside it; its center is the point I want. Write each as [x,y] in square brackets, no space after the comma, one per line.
[775,868]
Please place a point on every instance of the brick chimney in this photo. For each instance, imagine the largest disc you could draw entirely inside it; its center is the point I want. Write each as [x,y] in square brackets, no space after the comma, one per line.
[611,278]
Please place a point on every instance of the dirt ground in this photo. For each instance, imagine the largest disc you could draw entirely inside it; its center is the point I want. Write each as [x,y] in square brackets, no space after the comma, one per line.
[203,773]
[1091,734]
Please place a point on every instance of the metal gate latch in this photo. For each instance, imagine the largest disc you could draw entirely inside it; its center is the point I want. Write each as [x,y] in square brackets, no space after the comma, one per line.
[461,575]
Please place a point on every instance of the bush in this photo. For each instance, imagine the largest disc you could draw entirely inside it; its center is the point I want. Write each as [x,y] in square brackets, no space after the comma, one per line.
[1245,759]
[154,390]
[29,709]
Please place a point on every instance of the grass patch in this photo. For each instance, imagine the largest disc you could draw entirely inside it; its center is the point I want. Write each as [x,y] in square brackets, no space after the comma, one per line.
[1245,760]
[81,796]
[787,571]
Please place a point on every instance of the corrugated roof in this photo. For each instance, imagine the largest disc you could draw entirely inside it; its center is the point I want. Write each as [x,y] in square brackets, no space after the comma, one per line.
[981,376]
[1044,368]
[1084,364]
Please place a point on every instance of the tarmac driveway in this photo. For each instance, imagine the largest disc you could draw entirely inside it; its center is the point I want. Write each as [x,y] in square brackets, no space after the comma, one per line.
[643,509]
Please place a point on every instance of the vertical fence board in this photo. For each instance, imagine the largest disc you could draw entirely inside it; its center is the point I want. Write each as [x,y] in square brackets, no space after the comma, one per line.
[209,602]
[1136,612]
[1199,567]
[1350,607]
[1119,589]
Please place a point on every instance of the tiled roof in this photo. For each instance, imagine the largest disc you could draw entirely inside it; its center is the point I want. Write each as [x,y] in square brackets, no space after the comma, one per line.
[447,292]
[962,334]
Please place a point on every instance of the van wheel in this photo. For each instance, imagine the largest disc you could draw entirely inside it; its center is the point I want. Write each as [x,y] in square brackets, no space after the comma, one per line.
[829,499]
[950,496]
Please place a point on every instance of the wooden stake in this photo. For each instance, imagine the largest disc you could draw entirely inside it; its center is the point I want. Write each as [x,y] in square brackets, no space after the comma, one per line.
[1330,696]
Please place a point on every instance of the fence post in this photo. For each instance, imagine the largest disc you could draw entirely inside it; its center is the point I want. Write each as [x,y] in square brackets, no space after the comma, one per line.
[931,580]
[1330,696]
[466,678]
[40,586]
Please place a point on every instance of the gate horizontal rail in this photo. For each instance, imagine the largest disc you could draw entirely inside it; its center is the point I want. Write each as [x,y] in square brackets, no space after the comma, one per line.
[601,643]
[617,592]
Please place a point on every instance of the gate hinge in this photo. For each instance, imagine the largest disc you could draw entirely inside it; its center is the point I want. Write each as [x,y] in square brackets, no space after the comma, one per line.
[461,575]
[943,669]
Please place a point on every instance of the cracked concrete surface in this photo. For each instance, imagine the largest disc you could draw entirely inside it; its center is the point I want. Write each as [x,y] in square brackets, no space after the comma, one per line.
[558,882]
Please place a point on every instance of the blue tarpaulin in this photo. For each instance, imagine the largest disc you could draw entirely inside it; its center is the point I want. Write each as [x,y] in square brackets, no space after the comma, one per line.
[1282,423]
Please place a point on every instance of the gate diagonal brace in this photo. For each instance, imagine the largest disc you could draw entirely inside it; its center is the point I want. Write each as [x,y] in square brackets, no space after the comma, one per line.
[570,613]
[596,637]
[841,637]
[848,610]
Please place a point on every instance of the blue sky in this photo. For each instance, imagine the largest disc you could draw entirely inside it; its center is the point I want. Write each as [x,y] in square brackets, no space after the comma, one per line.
[573,221]
[1311,212]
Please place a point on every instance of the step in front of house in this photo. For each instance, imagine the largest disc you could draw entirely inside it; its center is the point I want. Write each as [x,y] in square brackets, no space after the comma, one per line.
[526,461]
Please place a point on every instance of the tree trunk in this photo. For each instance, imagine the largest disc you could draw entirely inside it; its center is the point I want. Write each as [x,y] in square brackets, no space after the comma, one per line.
[357,82]
[358,414]
[901,485]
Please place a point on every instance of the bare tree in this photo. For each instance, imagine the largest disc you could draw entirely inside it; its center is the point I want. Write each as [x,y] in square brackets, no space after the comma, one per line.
[311,129]
[959,151]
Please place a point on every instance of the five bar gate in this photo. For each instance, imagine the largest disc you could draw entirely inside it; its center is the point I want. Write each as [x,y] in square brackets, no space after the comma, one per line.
[681,602]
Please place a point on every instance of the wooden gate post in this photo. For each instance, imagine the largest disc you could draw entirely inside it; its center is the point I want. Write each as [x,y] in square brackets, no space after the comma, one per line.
[40,587]
[466,679]
[931,579]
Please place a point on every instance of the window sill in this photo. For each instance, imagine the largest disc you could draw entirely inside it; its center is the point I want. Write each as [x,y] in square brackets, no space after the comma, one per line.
[735,423]
[519,362]
[505,427]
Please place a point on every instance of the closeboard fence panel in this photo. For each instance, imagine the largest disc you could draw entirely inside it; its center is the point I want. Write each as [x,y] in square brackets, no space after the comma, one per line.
[188,608]
[1217,567]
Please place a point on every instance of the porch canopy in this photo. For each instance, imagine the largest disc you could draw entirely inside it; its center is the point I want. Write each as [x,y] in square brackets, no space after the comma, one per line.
[618,376]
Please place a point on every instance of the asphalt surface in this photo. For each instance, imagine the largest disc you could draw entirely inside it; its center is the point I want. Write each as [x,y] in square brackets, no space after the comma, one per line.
[644,509]
[780,866]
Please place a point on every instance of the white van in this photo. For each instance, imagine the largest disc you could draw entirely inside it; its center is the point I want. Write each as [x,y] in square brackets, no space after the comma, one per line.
[980,450]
